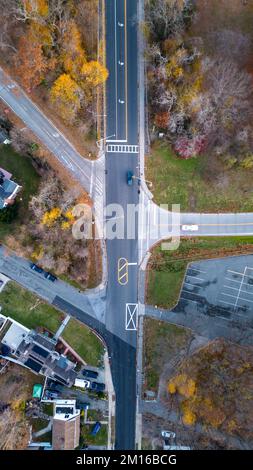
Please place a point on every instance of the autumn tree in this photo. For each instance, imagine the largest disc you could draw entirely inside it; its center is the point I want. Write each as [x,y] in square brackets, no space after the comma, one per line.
[93,74]
[30,62]
[66,95]
[72,52]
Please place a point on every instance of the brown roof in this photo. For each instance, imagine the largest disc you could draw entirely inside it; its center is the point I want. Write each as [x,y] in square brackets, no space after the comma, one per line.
[66,434]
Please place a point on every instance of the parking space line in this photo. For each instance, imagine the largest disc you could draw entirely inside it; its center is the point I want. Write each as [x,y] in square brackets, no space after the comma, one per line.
[229,295]
[196,269]
[245,300]
[190,284]
[227,303]
[229,287]
[192,293]
[232,280]
[194,277]
[189,300]
[241,274]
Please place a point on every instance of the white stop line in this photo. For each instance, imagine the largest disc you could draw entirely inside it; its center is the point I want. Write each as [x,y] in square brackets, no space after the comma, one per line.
[131,317]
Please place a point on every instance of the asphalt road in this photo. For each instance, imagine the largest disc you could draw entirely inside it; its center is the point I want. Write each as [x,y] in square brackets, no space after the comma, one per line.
[122,124]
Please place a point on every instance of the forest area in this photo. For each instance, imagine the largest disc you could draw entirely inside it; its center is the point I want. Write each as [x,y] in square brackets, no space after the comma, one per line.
[200,82]
[52,48]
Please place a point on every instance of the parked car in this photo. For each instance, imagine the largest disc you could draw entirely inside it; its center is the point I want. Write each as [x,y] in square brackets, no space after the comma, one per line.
[81,383]
[49,394]
[130,178]
[50,277]
[168,434]
[190,228]
[97,387]
[36,268]
[96,428]
[90,373]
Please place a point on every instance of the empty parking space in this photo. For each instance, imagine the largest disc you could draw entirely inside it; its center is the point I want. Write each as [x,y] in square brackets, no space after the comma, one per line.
[219,288]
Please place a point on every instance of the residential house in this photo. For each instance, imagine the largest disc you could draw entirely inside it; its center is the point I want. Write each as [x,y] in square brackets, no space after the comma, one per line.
[8,189]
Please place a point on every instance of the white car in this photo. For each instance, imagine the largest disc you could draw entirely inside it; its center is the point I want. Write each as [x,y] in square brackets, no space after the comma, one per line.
[190,228]
[168,434]
[82,383]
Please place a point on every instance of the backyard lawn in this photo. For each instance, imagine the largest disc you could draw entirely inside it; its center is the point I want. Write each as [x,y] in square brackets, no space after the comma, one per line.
[26,176]
[100,439]
[166,269]
[85,343]
[195,186]
[32,312]
[28,309]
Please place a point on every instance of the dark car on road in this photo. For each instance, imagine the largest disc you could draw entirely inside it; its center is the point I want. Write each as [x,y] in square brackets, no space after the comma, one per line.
[50,277]
[130,178]
[36,268]
[97,387]
[90,373]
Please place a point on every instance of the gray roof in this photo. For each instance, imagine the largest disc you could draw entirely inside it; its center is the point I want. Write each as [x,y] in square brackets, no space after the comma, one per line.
[7,188]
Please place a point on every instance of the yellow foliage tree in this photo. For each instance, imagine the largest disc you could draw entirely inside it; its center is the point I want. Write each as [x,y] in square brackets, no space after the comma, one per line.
[51,216]
[94,73]
[66,95]
[37,7]
[73,54]
[183,384]
[189,418]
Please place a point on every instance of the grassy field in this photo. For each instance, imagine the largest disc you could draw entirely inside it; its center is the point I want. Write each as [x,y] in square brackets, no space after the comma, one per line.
[100,439]
[85,343]
[25,175]
[161,342]
[32,312]
[166,269]
[27,309]
[191,184]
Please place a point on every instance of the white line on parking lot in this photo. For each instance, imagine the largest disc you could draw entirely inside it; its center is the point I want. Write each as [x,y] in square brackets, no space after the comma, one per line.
[194,277]
[194,285]
[196,269]
[189,300]
[227,303]
[192,293]
[232,280]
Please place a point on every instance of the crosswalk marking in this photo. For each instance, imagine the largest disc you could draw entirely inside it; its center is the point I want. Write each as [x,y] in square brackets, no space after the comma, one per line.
[122,148]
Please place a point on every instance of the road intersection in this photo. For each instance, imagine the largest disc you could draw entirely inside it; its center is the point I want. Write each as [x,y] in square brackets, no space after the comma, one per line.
[114,310]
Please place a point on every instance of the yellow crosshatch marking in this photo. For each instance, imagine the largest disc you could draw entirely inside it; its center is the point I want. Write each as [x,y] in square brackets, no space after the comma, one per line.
[122,271]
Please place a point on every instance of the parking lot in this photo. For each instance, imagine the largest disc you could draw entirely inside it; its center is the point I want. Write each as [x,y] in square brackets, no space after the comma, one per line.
[219,288]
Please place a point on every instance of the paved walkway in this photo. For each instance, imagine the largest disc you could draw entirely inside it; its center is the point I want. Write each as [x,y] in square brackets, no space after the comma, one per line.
[43,431]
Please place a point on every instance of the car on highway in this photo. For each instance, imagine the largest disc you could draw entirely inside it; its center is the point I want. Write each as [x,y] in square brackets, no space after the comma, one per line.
[36,268]
[130,178]
[50,277]
[90,373]
[97,387]
[190,228]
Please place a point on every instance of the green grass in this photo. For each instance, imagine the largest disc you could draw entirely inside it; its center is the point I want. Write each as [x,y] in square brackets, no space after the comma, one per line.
[191,183]
[161,342]
[26,176]
[84,342]
[167,268]
[32,312]
[100,439]
[38,424]
[27,309]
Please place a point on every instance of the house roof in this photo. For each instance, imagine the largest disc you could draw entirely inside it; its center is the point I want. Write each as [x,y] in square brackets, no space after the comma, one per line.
[66,433]
[7,188]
